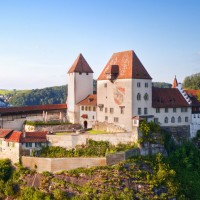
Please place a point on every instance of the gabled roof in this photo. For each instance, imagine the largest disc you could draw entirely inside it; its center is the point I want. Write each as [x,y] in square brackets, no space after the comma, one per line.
[25,109]
[128,64]
[168,98]
[80,65]
[14,137]
[90,100]
[39,136]
[18,136]
[5,132]
[175,83]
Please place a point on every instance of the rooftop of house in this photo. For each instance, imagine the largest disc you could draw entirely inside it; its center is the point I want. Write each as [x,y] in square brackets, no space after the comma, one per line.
[80,65]
[5,132]
[23,137]
[125,65]
[168,98]
[25,109]
[90,100]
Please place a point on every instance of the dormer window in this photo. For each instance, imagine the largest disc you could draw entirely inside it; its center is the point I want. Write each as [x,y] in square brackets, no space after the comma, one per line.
[112,73]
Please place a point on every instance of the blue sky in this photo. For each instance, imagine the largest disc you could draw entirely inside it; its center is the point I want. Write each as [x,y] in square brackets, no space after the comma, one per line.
[40,39]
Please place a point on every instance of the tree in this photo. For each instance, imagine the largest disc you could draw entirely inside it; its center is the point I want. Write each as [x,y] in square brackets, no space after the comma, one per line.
[192,82]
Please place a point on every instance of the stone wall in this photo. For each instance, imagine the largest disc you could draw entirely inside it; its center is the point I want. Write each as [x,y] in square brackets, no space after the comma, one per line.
[71,140]
[108,127]
[58,164]
[179,133]
[53,128]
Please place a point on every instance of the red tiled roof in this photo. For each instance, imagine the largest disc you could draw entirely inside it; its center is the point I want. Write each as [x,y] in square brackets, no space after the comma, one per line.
[14,136]
[167,98]
[80,65]
[4,132]
[34,137]
[90,100]
[129,66]
[33,108]
[175,83]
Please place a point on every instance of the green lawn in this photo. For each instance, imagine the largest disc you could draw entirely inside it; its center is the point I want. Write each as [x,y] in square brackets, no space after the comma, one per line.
[97,132]
[63,133]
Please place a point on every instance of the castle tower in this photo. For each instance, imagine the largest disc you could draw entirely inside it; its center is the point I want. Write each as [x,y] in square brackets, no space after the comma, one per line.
[125,89]
[80,85]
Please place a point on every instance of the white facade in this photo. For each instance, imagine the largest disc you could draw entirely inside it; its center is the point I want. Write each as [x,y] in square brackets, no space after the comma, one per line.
[172,116]
[87,114]
[80,85]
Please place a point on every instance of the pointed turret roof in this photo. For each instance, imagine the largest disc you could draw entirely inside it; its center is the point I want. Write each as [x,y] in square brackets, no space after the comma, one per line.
[129,66]
[175,83]
[80,65]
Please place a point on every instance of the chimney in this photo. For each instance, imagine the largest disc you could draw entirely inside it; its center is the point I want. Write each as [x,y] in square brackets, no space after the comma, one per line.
[24,134]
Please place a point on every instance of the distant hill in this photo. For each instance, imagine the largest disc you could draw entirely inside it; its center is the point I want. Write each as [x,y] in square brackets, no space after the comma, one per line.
[162,85]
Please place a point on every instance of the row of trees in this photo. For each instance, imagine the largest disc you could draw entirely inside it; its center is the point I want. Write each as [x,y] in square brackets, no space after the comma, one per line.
[50,95]
[192,82]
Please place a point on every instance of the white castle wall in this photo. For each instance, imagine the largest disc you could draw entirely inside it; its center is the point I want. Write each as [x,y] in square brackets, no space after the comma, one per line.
[162,114]
[115,95]
[142,90]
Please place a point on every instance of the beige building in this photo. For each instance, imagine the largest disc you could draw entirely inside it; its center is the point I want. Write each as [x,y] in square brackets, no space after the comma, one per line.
[13,144]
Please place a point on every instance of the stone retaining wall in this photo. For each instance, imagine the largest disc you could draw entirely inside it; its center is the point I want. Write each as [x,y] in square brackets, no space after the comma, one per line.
[58,164]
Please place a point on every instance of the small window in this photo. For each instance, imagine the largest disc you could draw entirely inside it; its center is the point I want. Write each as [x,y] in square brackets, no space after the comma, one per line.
[145,111]
[94,108]
[166,110]
[80,73]
[156,120]
[157,110]
[13,144]
[146,85]
[186,119]
[183,109]
[138,96]
[106,110]
[166,120]
[122,109]
[87,73]
[82,107]
[101,108]
[138,84]
[139,111]
[194,116]
[174,110]
[86,108]
[106,118]
[111,110]
[116,119]
[8,144]
[105,85]
[89,108]
[173,120]
[93,117]
[179,119]
[146,97]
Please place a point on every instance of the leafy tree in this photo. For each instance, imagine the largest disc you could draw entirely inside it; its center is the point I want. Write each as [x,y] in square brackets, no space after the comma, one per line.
[5,169]
[192,82]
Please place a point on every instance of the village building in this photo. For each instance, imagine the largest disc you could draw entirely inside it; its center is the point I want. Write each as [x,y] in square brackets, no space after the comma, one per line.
[13,144]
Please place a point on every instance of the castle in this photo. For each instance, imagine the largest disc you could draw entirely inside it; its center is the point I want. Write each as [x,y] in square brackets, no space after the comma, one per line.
[125,96]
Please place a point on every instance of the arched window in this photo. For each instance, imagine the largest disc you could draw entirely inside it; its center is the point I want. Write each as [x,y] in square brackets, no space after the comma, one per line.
[172,120]
[179,119]
[166,120]
[146,97]
[138,96]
